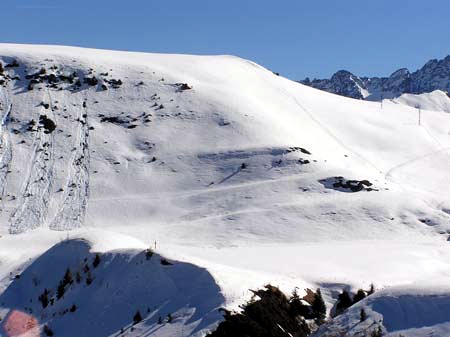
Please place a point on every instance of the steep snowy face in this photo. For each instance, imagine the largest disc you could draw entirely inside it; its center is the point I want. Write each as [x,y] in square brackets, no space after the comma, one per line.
[434,75]
[144,141]
[210,149]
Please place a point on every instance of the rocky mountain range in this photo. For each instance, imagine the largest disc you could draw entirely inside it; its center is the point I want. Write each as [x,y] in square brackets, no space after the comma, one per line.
[434,75]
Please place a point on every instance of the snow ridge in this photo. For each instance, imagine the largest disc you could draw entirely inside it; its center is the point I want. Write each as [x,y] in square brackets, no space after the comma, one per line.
[434,75]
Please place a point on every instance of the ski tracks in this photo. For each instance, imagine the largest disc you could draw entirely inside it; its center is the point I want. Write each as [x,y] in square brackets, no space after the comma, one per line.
[71,212]
[5,143]
[33,202]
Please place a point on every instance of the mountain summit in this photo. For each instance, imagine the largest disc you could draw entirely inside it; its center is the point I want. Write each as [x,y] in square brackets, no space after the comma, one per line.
[434,75]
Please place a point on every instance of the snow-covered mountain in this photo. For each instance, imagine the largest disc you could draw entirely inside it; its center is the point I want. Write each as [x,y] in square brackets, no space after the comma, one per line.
[434,75]
[235,177]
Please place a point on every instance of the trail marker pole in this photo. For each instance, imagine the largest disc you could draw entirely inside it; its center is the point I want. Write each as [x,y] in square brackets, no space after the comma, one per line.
[420,114]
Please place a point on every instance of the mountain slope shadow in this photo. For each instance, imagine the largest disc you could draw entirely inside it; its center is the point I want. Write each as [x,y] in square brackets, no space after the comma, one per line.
[76,292]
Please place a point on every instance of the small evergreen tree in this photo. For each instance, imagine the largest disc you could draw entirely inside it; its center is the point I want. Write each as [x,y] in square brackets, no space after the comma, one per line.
[148,253]
[362,315]
[89,278]
[372,289]
[169,318]
[297,308]
[318,306]
[344,301]
[43,298]
[96,261]
[78,277]
[61,290]
[360,295]
[68,277]
[377,333]
[48,331]
[137,317]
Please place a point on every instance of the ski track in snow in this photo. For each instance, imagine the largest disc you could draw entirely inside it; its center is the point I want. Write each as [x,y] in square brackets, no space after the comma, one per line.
[72,211]
[330,133]
[5,144]
[33,203]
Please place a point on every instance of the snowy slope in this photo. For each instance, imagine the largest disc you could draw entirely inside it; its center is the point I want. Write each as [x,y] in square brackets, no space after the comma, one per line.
[412,312]
[123,283]
[435,101]
[224,165]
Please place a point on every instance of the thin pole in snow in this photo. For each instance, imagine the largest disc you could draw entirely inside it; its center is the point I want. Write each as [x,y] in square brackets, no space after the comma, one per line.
[420,114]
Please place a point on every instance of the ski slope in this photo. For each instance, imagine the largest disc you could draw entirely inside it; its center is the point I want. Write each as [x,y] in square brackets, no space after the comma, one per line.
[222,164]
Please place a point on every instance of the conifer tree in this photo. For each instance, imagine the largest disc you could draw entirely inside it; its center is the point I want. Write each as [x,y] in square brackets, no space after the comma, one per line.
[360,295]
[318,306]
[372,289]
[96,261]
[68,277]
[362,315]
[344,301]
[137,317]
[89,278]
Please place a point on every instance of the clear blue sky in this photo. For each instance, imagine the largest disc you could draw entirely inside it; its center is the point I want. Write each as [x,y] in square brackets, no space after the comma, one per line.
[297,38]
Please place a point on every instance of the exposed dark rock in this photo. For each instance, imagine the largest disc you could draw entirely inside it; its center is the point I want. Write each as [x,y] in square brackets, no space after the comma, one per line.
[47,123]
[182,86]
[343,185]
[92,81]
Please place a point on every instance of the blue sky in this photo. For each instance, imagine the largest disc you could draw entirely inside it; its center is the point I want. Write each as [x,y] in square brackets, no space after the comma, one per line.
[297,38]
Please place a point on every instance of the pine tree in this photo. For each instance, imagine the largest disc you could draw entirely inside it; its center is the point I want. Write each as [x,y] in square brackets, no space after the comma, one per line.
[377,333]
[60,291]
[372,289]
[78,277]
[68,277]
[360,295]
[89,278]
[148,253]
[43,298]
[48,331]
[137,317]
[344,301]
[318,306]
[169,318]
[362,315]
[96,261]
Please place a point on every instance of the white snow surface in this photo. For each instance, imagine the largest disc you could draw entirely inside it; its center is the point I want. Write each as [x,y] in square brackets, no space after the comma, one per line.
[232,179]
[436,101]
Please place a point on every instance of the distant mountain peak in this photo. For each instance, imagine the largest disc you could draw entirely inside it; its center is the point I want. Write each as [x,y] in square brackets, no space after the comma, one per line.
[434,75]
